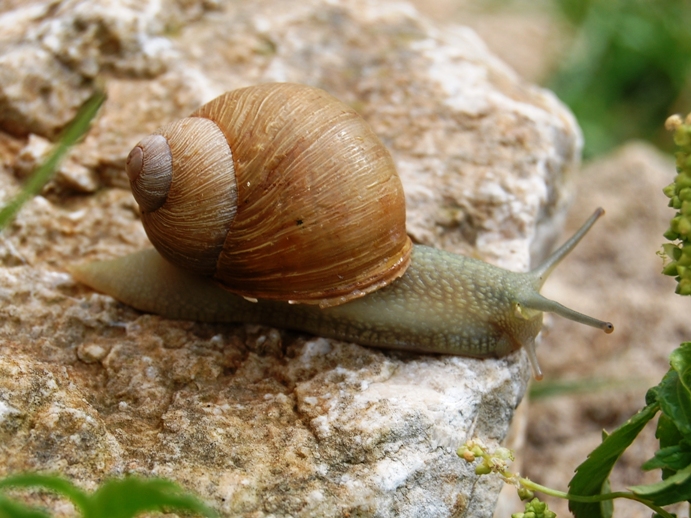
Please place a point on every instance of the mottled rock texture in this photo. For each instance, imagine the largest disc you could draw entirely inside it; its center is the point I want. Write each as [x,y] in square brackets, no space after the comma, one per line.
[259,421]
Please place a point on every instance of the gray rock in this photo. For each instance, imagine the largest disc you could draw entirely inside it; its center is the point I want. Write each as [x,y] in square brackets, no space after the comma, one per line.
[259,421]
[38,94]
[71,175]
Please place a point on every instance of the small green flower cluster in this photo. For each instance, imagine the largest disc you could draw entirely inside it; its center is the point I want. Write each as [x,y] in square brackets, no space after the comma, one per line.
[679,193]
[494,462]
[535,509]
[497,461]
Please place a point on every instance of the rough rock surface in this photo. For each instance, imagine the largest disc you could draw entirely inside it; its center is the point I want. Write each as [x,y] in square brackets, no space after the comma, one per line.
[260,421]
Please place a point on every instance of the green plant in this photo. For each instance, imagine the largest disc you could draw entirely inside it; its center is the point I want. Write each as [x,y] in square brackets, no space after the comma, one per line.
[115,498]
[589,493]
[72,133]
[679,193]
[629,63]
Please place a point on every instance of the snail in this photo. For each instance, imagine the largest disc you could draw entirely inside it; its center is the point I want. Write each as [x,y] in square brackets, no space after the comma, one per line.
[276,204]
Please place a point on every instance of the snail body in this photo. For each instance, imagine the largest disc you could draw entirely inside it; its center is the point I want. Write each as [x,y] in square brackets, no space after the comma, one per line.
[411,297]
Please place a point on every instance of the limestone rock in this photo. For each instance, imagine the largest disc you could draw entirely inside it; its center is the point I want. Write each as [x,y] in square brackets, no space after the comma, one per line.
[37,93]
[69,176]
[53,51]
[262,421]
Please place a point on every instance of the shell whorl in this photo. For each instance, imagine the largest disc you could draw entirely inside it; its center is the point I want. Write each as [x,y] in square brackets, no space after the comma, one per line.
[150,170]
[189,227]
[320,209]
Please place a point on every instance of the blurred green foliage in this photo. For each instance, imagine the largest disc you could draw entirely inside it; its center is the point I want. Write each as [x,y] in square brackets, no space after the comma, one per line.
[115,498]
[627,69]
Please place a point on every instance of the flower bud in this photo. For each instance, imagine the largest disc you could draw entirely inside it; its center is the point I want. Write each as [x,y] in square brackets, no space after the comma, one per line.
[670,269]
[482,469]
[525,493]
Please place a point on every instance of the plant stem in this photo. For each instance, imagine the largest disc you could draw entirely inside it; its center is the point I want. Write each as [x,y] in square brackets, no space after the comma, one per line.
[529,484]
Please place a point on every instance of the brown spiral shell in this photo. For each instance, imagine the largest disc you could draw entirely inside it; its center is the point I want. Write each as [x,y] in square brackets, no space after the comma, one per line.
[278,191]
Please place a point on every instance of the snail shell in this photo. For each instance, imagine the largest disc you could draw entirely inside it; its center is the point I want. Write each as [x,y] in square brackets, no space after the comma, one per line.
[277,191]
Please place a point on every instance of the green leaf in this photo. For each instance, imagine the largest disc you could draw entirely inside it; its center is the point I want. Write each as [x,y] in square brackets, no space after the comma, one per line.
[594,471]
[675,401]
[607,506]
[680,359]
[675,488]
[124,498]
[675,457]
[11,509]
[116,498]
[51,482]
[70,136]
[667,432]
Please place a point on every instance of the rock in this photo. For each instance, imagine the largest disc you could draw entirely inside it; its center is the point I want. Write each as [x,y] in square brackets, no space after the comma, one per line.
[37,93]
[262,421]
[93,37]
[52,52]
[70,175]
